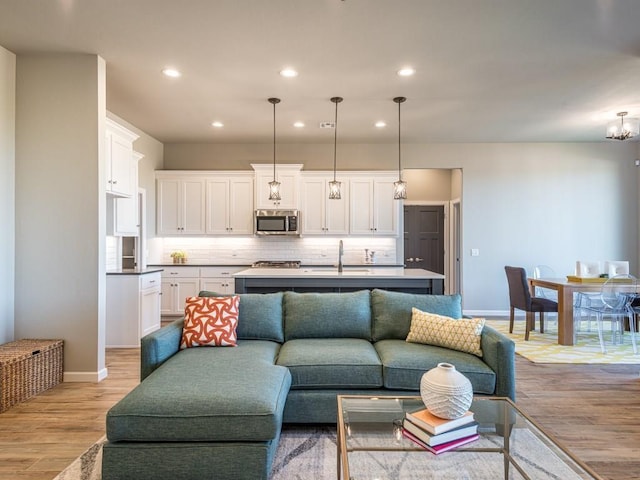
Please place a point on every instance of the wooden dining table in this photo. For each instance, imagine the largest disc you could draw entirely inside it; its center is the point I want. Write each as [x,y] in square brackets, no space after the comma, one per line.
[565,290]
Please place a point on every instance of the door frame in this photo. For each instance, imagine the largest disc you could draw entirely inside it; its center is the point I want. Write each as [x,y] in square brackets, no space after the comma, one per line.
[448,282]
[455,235]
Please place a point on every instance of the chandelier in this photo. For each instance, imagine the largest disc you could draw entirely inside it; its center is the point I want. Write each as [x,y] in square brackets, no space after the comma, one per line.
[621,130]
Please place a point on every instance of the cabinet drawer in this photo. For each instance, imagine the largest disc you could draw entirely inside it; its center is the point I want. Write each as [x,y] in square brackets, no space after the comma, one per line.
[150,280]
[181,272]
[219,272]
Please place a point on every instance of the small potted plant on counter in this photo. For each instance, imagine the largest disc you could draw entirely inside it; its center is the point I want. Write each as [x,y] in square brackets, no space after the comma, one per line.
[179,256]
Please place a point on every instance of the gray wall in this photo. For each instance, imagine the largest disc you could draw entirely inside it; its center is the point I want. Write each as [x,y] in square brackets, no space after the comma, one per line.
[522,204]
[428,184]
[60,206]
[7,193]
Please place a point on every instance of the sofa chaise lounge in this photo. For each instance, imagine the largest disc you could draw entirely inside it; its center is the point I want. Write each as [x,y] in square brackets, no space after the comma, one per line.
[217,412]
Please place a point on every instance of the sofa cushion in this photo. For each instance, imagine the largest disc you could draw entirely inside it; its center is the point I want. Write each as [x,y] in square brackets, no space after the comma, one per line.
[404,364]
[210,321]
[331,363]
[462,334]
[391,311]
[260,316]
[206,395]
[327,315]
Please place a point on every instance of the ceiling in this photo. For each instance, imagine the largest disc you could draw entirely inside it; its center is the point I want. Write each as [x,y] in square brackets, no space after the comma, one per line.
[486,70]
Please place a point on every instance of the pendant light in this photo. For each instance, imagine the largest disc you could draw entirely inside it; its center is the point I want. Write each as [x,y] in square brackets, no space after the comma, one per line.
[399,187]
[334,186]
[274,186]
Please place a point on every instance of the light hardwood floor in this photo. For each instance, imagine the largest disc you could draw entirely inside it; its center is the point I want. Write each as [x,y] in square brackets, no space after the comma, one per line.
[592,409]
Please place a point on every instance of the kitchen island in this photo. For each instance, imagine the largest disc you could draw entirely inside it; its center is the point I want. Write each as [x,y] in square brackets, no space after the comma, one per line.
[327,279]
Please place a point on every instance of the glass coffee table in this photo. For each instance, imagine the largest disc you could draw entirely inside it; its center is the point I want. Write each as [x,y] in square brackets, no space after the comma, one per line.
[511,446]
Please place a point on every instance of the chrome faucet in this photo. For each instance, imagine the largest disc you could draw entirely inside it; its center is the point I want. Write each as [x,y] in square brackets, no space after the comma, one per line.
[340,253]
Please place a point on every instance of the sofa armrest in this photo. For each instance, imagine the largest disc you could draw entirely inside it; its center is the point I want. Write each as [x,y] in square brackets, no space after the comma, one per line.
[498,351]
[158,346]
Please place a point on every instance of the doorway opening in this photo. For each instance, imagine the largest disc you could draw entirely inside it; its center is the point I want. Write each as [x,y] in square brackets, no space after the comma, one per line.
[432,223]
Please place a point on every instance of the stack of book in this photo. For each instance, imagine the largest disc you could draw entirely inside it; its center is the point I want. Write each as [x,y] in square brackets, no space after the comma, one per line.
[437,434]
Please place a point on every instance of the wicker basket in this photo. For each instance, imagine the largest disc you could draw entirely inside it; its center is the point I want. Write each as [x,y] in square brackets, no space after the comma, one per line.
[27,368]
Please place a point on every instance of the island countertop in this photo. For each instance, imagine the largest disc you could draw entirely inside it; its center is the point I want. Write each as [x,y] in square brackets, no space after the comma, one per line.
[328,279]
[332,272]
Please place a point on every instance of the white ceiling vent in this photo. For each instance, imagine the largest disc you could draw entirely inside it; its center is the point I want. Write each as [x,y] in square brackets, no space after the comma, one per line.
[327,124]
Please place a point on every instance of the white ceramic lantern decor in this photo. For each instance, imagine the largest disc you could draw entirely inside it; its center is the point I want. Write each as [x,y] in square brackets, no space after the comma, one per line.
[446,392]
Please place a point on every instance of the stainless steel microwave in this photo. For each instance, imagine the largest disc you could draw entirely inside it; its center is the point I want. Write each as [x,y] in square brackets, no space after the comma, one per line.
[277,222]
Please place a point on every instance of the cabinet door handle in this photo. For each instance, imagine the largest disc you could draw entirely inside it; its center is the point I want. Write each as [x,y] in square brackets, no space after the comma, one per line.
[114,182]
[418,259]
[152,281]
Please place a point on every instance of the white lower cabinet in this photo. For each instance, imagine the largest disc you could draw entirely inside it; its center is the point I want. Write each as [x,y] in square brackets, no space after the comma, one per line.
[178,283]
[219,279]
[133,308]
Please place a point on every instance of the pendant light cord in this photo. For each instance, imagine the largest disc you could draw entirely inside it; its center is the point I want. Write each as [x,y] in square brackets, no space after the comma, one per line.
[399,152]
[274,141]
[335,142]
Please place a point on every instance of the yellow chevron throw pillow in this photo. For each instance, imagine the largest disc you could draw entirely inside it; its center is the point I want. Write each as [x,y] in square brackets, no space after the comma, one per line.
[457,334]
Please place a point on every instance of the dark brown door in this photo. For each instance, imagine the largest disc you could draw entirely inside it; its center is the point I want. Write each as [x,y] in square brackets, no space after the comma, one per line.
[424,237]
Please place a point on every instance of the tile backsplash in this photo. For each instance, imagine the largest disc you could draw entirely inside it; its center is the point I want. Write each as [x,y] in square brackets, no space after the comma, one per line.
[246,250]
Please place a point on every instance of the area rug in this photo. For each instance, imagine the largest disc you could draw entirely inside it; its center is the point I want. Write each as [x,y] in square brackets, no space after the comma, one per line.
[544,348]
[309,452]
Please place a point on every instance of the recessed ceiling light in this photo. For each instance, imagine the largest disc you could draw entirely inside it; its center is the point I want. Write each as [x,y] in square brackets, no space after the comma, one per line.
[406,71]
[217,124]
[288,72]
[171,72]
[381,124]
[298,124]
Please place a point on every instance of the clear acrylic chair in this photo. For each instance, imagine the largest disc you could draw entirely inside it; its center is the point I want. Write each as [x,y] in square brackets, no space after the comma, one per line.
[616,298]
[544,271]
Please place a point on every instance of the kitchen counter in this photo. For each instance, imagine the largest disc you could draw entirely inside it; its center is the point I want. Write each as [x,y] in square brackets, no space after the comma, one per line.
[328,279]
[134,271]
[199,264]
[332,272]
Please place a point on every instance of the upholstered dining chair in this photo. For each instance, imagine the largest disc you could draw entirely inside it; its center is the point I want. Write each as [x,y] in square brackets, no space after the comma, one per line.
[520,298]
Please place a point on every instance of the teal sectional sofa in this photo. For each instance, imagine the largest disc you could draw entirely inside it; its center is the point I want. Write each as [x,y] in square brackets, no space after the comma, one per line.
[216,412]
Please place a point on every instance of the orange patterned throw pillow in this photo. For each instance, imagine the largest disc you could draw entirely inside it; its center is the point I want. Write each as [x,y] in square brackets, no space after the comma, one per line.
[210,322]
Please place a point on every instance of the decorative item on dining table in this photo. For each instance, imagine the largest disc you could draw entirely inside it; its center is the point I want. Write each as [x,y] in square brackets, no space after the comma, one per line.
[597,271]
[446,392]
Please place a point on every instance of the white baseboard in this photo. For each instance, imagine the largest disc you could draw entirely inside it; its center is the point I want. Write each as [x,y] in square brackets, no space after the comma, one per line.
[90,377]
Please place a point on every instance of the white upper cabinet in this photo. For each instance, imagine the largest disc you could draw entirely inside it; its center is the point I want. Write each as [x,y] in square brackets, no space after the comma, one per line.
[289,178]
[180,204]
[229,204]
[119,140]
[373,210]
[321,216]
[123,212]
